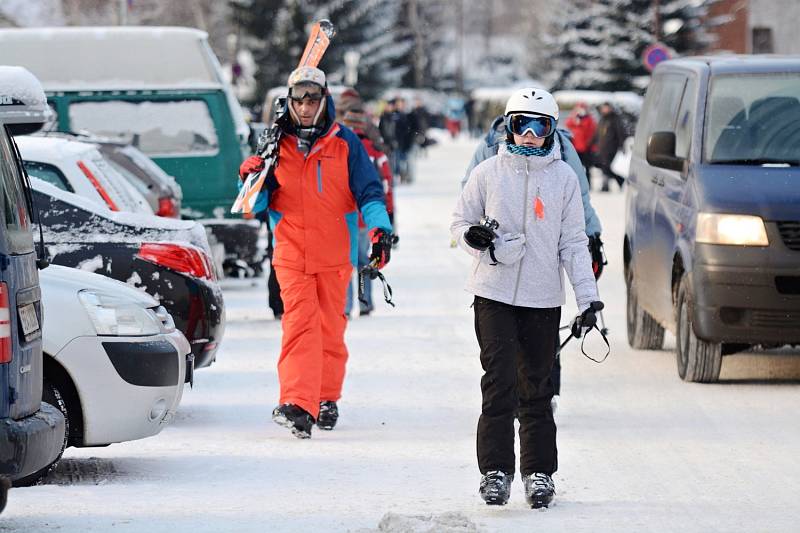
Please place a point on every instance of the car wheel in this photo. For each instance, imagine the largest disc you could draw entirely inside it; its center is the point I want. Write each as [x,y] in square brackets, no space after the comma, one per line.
[53,396]
[4,486]
[644,333]
[698,360]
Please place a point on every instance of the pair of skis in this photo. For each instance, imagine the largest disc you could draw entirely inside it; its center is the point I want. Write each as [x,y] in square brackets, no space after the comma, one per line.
[268,142]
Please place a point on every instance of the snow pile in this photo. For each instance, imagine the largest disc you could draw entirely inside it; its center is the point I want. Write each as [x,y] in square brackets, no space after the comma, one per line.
[432,523]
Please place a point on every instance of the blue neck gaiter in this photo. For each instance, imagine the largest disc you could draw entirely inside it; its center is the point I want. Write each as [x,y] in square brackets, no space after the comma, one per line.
[530,150]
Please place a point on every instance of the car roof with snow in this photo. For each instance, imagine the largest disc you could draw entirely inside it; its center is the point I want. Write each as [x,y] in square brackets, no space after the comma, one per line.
[85,169]
[52,149]
[121,58]
[736,63]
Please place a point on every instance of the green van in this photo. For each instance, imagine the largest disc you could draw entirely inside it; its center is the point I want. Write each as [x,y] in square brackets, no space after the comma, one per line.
[160,89]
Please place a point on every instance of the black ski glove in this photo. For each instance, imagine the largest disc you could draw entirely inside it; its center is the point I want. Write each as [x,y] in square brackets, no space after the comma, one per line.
[481,235]
[382,242]
[587,319]
[598,256]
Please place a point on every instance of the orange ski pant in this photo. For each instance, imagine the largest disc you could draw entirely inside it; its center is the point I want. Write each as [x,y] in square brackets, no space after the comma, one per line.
[311,367]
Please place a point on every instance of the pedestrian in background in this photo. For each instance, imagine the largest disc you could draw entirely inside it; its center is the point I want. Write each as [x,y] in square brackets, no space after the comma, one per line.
[357,120]
[609,138]
[582,126]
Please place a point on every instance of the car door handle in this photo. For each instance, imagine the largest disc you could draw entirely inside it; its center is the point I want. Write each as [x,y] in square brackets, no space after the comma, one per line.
[657,181]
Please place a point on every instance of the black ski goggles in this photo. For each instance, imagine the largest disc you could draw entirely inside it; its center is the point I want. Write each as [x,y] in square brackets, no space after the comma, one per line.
[538,125]
[308,96]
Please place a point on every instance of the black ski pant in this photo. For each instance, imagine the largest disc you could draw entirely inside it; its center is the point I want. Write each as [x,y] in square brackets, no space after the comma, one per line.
[517,352]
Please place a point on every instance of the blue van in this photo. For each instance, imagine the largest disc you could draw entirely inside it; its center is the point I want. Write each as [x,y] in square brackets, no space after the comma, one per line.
[31,431]
[712,232]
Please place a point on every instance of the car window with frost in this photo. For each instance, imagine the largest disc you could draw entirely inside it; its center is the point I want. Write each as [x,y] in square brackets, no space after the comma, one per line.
[170,128]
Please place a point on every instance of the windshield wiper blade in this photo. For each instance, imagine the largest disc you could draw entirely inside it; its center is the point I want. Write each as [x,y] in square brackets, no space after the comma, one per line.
[757,161]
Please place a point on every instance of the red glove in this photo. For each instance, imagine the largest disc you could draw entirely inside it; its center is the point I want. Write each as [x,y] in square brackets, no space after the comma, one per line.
[381,247]
[252,164]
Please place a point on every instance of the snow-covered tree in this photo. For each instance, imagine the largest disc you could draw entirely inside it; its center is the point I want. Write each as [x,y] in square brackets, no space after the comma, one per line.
[277,31]
[599,45]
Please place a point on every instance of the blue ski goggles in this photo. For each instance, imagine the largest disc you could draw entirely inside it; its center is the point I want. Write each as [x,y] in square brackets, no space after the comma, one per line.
[538,125]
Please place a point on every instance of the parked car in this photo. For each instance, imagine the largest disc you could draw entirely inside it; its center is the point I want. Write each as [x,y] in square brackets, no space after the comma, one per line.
[167,258]
[159,188]
[170,100]
[114,362]
[31,431]
[79,167]
[712,235]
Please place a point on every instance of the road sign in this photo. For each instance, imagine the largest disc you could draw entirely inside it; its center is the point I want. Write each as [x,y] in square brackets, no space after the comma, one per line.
[653,55]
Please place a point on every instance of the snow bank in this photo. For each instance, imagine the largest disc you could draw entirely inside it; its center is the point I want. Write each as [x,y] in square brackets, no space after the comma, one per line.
[431,523]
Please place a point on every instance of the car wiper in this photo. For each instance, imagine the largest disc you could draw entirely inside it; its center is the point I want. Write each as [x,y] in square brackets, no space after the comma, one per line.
[757,161]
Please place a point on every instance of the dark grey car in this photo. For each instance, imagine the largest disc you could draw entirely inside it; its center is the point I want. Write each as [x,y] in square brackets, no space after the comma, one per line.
[159,188]
[712,237]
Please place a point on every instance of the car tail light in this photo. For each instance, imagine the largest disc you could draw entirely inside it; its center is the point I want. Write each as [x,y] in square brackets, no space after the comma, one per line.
[167,207]
[100,189]
[181,257]
[5,325]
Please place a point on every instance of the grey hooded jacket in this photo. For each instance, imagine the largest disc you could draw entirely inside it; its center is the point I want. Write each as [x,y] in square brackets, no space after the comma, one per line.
[504,187]
[488,147]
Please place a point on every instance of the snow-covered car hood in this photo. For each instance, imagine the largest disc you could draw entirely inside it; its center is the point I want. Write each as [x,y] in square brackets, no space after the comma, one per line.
[63,315]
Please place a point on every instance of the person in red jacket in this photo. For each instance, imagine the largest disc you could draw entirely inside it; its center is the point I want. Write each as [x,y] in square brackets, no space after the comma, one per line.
[357,120]
[582,126]
[322,180]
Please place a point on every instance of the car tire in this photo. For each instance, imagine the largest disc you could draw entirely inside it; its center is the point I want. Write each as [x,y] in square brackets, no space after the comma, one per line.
[698,360]
[644,333]
[4,486]
[52,395]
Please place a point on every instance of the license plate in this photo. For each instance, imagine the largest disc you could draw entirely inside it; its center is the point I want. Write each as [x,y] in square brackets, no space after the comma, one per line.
[27,316]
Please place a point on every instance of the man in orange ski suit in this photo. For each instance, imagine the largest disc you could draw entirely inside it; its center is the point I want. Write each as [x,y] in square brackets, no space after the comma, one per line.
[322,180]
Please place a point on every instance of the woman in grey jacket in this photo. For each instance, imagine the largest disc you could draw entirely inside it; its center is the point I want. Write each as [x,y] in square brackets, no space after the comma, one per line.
[520,216]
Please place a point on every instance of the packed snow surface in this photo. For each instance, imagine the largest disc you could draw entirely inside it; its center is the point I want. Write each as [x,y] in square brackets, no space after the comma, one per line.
[640,450]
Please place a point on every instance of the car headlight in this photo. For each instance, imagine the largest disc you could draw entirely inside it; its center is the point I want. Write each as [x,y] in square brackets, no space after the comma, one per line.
[744,230]
[112,315]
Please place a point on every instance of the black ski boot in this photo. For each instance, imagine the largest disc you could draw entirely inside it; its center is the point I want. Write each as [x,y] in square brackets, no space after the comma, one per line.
[328,415]
[295,418]
[539,490]
[495,487]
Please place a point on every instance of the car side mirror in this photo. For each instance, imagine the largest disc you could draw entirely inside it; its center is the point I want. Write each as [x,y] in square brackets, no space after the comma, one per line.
[661,151]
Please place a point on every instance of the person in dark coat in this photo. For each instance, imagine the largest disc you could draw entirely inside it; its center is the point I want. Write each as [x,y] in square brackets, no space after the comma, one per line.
[609,138]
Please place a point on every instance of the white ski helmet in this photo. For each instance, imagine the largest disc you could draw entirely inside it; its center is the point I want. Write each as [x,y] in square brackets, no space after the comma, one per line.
[532,100]
[306,74]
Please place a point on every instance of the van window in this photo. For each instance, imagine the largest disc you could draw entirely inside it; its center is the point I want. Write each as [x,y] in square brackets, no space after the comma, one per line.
[685,121]
[671,93]
[48,173]
[159,129]
[660,106]
[753,119]
[16,218]
[644,126]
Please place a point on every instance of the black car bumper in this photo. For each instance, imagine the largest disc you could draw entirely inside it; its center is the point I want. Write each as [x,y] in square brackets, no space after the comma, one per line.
[30,444]
[747,295]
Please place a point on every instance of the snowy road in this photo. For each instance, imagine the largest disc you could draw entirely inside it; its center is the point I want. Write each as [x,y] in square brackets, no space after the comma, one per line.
[639,449]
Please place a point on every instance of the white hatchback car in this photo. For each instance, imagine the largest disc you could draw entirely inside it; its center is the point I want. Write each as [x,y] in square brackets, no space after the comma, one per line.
[114,363]
[79,167]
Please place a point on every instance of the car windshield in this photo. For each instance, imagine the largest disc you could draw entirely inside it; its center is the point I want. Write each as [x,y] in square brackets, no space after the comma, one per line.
[753,119]
[170,128]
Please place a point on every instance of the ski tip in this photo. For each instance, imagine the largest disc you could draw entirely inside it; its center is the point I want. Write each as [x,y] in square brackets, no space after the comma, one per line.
[327,27]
